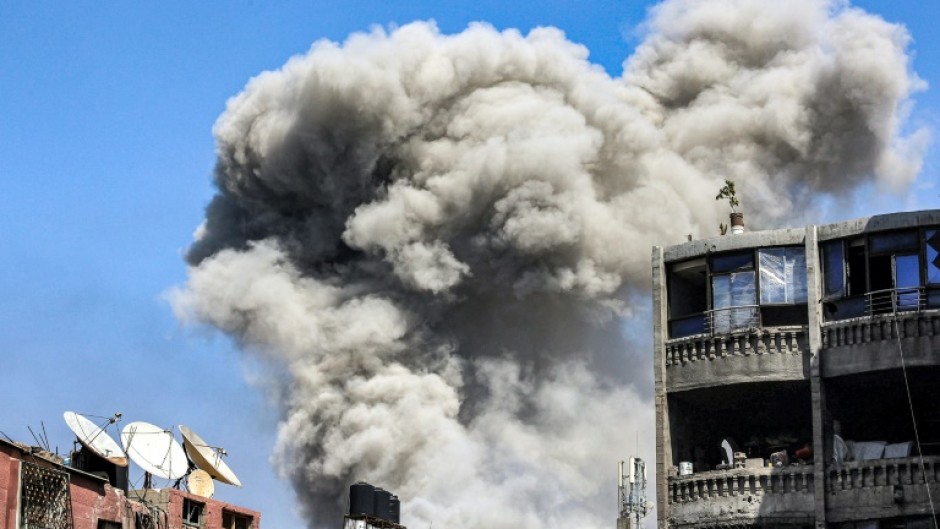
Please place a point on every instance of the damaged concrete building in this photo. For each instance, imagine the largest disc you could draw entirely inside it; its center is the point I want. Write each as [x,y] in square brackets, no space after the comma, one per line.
[797,376]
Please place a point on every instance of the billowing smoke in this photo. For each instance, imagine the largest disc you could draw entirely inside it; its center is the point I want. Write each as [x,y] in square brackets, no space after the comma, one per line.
[437,239]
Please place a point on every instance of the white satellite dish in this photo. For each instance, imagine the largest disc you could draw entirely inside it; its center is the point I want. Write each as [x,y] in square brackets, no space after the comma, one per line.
[95,438]
[199,482]
[207,457]
[154,450]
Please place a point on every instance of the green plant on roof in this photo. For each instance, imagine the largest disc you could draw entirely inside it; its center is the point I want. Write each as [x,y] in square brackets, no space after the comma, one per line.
[728,192]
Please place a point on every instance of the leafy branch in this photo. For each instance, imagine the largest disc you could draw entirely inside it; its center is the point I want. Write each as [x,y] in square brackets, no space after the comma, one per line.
[728,192]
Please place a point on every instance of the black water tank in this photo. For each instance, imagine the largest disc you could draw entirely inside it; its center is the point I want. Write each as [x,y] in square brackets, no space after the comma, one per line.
[361,499]
[381,504]
[394,509]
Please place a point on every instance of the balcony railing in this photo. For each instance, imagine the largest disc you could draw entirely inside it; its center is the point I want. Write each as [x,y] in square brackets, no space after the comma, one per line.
[742,496]
[782,340]
[903,300]
[704,486]
[881,488]
[888,325]
[717,321]
[882,473]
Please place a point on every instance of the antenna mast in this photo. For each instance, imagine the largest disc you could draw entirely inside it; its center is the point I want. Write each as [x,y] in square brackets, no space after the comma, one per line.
[631,494]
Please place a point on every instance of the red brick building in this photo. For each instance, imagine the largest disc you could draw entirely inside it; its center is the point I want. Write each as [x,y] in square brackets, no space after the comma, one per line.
[39,491]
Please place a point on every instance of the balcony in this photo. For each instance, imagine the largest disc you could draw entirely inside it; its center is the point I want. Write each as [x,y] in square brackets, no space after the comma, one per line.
[886,320]
[881,488]
[743,496]
[735,348]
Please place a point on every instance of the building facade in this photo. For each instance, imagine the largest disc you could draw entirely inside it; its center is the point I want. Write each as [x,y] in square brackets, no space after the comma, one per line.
[38,490]
[797,376]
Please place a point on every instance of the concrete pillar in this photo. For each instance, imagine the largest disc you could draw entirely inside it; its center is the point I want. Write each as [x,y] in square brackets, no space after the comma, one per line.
[817,389]
[663,438]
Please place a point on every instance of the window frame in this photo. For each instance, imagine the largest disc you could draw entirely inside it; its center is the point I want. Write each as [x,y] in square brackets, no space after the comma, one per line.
[185,516]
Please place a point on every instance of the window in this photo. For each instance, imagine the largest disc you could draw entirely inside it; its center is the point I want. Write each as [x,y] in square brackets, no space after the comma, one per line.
[143,520]
[192,513]
[932,253]
[45,497]
[782,275]
[688,297]
[833,258]
[734,293]
[234,520]
[108,524]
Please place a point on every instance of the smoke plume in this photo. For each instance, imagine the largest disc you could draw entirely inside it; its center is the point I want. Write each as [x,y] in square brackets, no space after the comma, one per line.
[437,238]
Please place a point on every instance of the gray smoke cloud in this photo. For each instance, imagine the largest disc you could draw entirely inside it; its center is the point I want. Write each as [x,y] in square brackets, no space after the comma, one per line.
[437,239]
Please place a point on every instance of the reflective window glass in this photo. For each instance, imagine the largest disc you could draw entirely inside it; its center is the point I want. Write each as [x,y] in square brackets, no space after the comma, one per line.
[893,241]
[734,298]
[782,275]
[932,243]
[833,269]
[730,262]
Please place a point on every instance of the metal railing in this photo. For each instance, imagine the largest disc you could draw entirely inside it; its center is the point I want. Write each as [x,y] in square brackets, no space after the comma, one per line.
[731,319]
[893,300]
[716,321]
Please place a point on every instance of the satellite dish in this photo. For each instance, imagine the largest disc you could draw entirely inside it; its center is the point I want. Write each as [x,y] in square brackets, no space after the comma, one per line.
[154,450]
[199,482]
[94,438]
[207,457]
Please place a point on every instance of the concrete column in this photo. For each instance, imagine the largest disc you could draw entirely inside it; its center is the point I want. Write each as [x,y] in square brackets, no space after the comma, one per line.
[663,438]
[818,394]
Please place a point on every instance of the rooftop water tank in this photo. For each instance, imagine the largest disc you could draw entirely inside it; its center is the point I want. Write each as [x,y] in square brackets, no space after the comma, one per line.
[361,499]
[394,509]
[381,504]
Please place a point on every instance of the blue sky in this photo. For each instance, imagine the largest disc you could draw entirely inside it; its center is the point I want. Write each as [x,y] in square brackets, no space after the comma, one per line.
[106,152]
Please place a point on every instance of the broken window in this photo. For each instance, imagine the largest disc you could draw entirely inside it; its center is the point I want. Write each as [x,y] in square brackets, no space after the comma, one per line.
[234,520]
[894,272]
[688,298]
[192,513]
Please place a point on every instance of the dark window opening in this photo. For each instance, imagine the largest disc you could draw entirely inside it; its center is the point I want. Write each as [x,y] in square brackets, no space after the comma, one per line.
[761,418]
[857,269]
[688,298]
[192,513]
[143,520]
[872,409]
[782,315]
[234,520]
[108,524]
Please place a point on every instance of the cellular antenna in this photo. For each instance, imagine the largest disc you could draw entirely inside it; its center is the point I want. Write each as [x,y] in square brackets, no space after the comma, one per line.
[633,505]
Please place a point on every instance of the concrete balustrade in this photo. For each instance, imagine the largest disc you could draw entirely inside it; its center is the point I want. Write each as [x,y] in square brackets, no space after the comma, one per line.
[881,488]
[871,343]
[775,353]
[740,496]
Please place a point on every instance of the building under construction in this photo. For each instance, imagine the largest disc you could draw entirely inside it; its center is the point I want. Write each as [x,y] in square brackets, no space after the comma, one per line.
[797,376]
